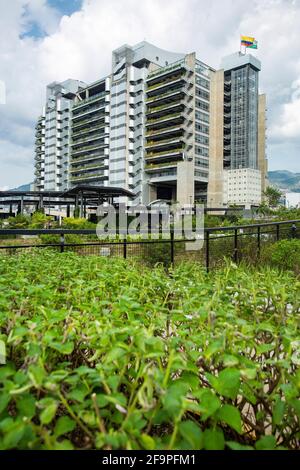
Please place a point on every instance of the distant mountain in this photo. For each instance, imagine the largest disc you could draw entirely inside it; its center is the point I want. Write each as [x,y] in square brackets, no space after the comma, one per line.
[24,187]
[285,180]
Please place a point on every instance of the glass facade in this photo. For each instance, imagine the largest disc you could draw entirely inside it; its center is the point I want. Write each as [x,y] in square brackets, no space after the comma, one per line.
[242,104]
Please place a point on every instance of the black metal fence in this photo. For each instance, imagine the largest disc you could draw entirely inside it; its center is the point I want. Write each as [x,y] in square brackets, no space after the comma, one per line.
[244,242]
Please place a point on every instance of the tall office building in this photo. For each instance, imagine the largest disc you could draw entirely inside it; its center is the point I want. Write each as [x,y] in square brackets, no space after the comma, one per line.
[53,137]
[237,155]
[163,125]
[89,143]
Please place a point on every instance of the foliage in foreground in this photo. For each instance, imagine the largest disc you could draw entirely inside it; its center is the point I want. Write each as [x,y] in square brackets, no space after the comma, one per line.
[284,254]
[104,354]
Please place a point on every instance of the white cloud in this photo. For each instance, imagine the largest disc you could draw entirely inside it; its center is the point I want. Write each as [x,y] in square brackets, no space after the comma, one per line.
[39,12]
[79,46]
[2,92]
[288,125]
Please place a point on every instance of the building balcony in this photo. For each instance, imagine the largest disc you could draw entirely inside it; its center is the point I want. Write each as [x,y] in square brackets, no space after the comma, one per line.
[89,149]
[170,130]
[162,143]
[88,177]
[81,168]
[87,139]
[89,130]
[171,95]
[99,118]
[166,70]
[172,81]
[156,166]
[89,100]
[95,156]
[164,109]
[164,120]
[87,112]
[166,155]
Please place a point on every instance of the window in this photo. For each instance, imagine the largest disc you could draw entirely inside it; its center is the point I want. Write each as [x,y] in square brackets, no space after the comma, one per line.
[202,116]
[202,93]
[201,139]
[202,82]
[202,105]
[202,128]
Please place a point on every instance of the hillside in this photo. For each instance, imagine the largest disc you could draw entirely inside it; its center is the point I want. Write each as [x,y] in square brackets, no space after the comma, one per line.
[24,187]
[285,180]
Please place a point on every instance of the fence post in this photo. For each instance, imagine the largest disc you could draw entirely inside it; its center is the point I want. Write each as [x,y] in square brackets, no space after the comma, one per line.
[235,254]
[125,248]
[258,241]
[277,232]
[172,245]
[62,243]
[207,251]
[293,229]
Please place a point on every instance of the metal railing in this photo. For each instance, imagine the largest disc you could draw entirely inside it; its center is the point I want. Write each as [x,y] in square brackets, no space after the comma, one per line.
[241,242]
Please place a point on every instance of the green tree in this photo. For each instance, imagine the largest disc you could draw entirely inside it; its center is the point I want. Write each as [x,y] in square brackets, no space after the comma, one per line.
[39,220]
[263,209]
[20,221]
[273,196]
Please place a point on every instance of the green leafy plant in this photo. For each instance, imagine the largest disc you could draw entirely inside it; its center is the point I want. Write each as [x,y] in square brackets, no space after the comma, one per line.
[273,196]
[284,254]
[107,354]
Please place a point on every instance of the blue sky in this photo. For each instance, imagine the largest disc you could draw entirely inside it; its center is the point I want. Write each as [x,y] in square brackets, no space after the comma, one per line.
[42,41]
[65,7]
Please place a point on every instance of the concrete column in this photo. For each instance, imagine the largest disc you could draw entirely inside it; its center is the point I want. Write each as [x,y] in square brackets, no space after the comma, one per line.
[216,189]
[262,160]
[185,183]
[41,203]
[76,206]
[81,205]
[22,205]
[152,193]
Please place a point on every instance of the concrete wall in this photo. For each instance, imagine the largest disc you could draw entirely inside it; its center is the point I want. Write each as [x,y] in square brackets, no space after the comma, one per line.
[216,139]
[262,161]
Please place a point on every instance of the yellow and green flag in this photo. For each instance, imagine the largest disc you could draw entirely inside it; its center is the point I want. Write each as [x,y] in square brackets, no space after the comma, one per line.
[253,46]
[249,41]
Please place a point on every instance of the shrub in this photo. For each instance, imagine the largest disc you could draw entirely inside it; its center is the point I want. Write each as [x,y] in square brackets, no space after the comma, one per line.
[77,223]
[284,254]
[55,239]
[39,220]
[156,253]
[105,354]
[20,221]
